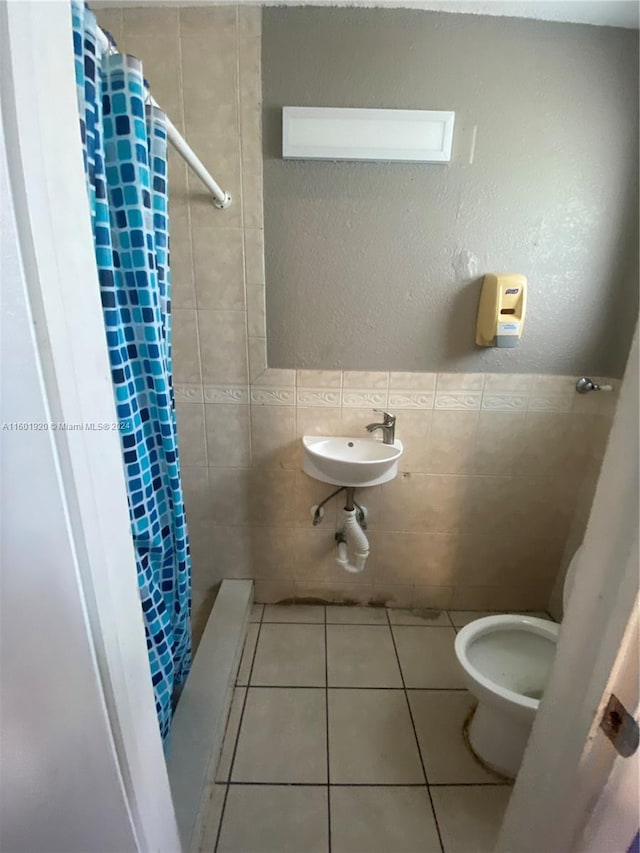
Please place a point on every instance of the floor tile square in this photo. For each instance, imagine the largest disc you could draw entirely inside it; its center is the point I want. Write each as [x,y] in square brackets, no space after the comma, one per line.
[290,656]
[438,716]
[382,820]
[347,615]
[361,656]
[427,657]
[246,661]
[293,613]
[428,618]
[275,819]
[283,736]
[231,734]
[470,817]
[371,738]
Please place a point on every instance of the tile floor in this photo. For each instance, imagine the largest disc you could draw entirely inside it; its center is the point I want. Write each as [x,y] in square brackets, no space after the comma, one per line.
[345,735]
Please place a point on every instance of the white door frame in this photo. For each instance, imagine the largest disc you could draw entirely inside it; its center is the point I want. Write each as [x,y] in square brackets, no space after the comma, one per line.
[565,765]
[615,818]
[54,728]
[568,760]
[40,118]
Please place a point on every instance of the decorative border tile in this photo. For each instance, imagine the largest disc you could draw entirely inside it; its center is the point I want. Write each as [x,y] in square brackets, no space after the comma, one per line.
[504,402]
[232,394]
[267,396]
[188,393]
[550,403]
[459,401]
[361,399]
[318,397]
[411,399]
[277,387]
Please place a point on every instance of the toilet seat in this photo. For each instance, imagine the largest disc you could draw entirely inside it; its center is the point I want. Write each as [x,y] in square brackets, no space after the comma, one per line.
[509,657]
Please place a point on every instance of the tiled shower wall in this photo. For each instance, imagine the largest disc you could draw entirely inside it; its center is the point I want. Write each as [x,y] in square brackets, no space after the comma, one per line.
[203,65]
[496,467]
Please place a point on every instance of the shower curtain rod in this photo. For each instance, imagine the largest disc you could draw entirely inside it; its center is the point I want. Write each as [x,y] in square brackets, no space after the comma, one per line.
[221,198]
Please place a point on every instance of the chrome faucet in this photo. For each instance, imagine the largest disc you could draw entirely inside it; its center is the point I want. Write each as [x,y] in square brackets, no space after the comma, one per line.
[388,426]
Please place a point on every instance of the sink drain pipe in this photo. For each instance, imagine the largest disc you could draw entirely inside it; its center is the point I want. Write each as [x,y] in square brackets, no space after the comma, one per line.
[351,538]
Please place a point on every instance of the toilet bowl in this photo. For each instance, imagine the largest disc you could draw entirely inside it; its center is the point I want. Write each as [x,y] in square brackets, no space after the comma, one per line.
[506,662]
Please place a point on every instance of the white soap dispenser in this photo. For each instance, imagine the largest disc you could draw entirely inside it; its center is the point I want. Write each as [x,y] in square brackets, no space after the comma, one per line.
[501,313]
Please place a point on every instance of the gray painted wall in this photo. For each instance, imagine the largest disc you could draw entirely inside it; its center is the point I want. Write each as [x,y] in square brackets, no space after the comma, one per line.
[378,266]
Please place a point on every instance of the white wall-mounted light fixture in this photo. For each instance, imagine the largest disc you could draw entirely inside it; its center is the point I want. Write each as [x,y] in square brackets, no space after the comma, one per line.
[336,133]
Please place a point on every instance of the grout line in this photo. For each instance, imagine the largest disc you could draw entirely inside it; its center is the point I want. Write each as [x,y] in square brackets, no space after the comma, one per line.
[238,106]
[471,784]
[417,625]
[240,201]
[348,687]
[336,784]
[235,746]
[357,624]
[238,782]
[326,712]
[415,734]
[451,620]
[183,117]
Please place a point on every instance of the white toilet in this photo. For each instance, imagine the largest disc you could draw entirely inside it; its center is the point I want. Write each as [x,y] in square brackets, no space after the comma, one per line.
[506,661]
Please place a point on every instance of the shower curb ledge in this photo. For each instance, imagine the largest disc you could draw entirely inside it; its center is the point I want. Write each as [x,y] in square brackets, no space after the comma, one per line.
[201,716]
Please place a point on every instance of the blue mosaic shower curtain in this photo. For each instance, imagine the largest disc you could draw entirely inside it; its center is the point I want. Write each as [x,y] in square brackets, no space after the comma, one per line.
[125,154]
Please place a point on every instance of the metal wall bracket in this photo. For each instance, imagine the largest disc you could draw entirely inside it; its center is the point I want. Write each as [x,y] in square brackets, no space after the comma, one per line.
[620,727]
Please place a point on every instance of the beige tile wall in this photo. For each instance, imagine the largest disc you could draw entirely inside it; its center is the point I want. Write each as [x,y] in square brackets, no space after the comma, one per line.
[495,465]
[491,484]
[601,407]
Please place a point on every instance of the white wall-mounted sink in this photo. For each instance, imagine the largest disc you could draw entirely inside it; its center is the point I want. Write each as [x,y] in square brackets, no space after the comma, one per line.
[346,461]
